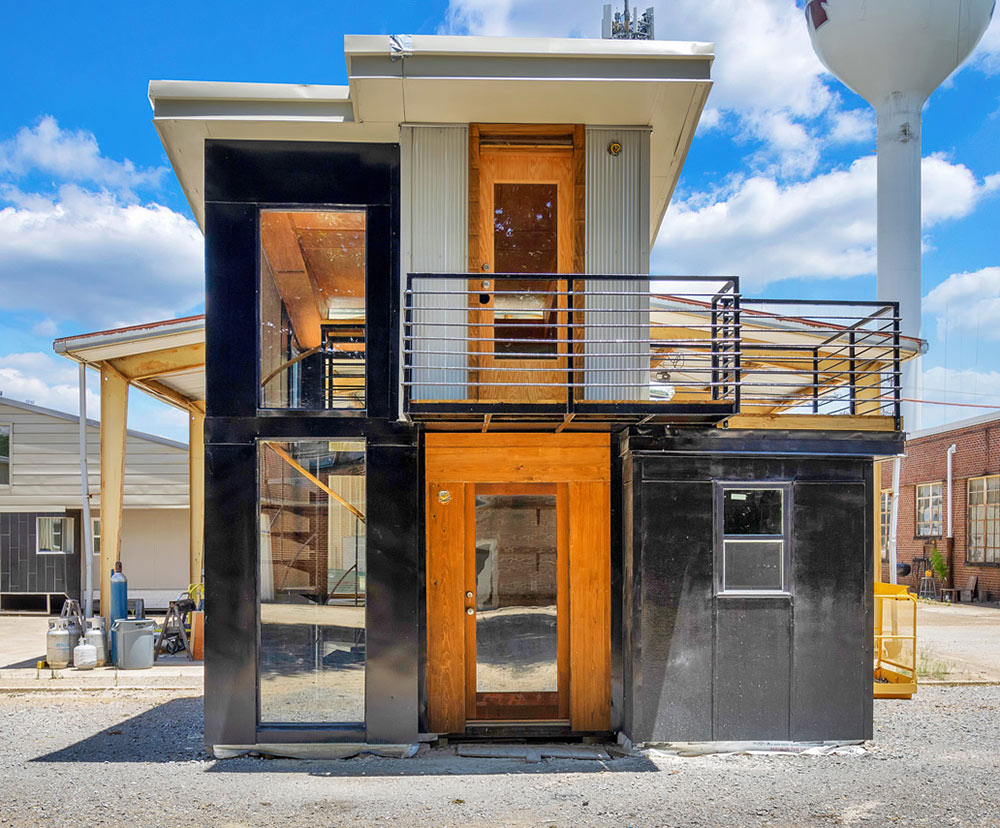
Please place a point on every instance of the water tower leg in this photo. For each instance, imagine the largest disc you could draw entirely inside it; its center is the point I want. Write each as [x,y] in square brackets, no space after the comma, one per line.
[899,226]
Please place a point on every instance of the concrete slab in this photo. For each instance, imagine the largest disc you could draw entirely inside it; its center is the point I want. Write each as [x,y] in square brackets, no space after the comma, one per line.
[963,640]
[532,753]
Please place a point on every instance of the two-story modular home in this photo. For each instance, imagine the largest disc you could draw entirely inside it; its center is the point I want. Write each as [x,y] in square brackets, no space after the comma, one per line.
[471,469]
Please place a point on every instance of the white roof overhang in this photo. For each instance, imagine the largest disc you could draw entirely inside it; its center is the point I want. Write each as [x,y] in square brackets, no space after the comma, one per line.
[164,359]
[429,79]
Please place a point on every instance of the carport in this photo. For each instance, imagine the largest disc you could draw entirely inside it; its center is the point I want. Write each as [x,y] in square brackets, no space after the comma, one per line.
[167,361]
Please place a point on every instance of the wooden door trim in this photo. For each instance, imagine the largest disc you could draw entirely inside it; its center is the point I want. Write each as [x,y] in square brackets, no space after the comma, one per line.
[579,139]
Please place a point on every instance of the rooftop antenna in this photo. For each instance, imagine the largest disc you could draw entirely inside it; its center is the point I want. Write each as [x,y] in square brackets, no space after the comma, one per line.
[894,54]
[625,26]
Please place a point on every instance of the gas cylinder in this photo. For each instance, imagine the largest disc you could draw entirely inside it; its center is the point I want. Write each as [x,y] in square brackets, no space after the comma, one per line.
[95,637]
[84,655]
[58,645]
[118,605]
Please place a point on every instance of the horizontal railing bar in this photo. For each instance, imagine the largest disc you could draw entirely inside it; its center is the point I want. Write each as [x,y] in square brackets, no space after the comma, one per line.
[624,277]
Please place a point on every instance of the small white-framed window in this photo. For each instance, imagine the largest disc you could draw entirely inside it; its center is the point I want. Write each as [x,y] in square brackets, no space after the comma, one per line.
[752,532]
[930,507]
[54,535]
[5,441]
[95,534]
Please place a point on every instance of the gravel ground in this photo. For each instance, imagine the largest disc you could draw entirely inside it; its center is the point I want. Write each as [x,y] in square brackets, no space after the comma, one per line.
[119,758]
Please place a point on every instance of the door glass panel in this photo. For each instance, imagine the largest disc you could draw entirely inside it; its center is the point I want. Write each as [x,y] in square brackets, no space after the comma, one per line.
[312,581]
[525,240]
[312,309]
[516,577]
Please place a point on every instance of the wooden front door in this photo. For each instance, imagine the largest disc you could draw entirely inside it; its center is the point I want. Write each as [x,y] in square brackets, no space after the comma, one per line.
[526,214]
[518,579]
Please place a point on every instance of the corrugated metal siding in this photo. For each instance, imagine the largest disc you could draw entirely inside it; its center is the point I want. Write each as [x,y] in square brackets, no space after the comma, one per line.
[435,218]
[45,466]
[617,229]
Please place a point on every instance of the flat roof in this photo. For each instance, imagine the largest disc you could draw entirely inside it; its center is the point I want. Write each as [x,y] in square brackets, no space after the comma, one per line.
[433,79]
[958,425]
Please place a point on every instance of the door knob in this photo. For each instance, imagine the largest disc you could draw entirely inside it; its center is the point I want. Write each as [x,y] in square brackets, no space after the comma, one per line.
[470,611]
[469,595]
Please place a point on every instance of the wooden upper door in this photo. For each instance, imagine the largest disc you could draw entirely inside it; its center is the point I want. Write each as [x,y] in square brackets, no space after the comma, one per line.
[518,579]
[526,219]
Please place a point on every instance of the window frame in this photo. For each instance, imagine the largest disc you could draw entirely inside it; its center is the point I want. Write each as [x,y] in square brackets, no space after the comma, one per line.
[67,534]
[916,511]
[295,406]
[10,455]
[95,535]
[720,538]
[986,560]
[262,723]
[885,522]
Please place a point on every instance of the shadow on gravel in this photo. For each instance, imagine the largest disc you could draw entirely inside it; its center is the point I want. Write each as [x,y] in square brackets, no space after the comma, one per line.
[170,732]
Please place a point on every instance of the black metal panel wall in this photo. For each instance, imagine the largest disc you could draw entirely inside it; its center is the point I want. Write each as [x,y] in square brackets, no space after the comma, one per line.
[393,589]
[23,570]
[699,666]
[241,178]
[830,615]
[671,617]
[751,676]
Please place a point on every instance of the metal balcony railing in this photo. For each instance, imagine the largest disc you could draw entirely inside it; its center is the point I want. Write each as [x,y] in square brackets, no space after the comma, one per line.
[637,348]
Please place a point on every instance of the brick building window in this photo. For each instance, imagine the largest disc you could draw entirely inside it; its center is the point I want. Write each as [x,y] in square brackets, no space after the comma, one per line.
[885,520]
[984,520]
[929,510]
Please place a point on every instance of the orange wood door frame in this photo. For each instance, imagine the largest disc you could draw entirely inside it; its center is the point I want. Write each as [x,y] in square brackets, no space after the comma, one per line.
[579,465]
[530,380]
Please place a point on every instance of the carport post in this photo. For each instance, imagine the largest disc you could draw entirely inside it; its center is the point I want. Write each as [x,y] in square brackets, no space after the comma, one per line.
[196,491]
[88,535]
[114,415]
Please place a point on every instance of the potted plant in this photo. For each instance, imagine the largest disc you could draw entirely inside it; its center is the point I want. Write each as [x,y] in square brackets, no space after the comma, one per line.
[939,564]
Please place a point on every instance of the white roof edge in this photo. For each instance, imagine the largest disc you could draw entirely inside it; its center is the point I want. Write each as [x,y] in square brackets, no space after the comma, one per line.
[958,425]
[70,345]
[65,415]
[535,46]
[238,90]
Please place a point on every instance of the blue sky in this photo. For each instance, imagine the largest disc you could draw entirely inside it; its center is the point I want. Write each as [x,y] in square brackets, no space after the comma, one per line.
[778,187]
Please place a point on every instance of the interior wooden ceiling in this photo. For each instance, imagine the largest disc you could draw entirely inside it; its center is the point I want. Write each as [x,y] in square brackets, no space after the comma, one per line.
[318,262]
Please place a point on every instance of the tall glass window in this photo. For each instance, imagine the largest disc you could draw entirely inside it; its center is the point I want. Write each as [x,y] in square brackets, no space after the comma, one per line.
[312,581]
[754,544]
[312,309]
[4,455]
[885,522]
[930,510]
[984,520]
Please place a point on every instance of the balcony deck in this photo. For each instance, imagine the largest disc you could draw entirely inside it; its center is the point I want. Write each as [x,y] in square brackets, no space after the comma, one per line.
[596,350]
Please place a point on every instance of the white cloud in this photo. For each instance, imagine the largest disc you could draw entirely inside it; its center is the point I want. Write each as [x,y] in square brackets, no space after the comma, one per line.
[764,231]
[45,380]
[967,302]
[765,71]
[71,156]
[967,387]
[96,259]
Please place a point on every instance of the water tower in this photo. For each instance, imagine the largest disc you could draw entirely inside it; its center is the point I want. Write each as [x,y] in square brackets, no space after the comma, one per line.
[894,53]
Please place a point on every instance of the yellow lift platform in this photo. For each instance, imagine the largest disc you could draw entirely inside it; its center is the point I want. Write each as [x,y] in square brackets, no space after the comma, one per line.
[895,642]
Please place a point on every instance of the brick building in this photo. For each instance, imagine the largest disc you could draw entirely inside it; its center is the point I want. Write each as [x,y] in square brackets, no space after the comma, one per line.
[974,548]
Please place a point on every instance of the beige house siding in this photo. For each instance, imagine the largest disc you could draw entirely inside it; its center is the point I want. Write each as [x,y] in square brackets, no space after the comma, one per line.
[45,464]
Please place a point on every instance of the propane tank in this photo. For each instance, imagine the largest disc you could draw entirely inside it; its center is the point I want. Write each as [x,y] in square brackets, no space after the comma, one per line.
[84,655]
[118,605]
[58,645]
[95,637]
